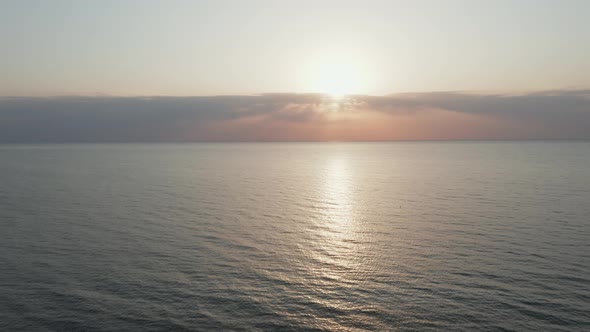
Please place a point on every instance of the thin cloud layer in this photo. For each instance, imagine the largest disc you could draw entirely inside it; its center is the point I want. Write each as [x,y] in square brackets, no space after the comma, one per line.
[560,114]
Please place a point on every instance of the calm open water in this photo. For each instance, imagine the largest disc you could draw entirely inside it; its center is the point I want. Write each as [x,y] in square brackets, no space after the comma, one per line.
[363,236]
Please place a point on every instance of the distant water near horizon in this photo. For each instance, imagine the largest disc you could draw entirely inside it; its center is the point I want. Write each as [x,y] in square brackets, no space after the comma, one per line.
[396,236]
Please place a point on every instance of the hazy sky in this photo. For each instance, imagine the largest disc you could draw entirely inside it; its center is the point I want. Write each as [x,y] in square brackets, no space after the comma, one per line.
[248,47]
[104,71]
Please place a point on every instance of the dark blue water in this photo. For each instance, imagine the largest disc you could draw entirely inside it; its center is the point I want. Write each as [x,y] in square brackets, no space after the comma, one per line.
[324,237]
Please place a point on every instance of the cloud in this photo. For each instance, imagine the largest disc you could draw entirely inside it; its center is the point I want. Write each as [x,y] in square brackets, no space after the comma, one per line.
[558,114]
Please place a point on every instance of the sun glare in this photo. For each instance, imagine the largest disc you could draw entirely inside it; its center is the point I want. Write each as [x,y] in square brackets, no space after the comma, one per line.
[337,77]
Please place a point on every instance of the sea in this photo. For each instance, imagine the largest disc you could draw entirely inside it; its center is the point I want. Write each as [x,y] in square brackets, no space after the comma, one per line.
[376,236]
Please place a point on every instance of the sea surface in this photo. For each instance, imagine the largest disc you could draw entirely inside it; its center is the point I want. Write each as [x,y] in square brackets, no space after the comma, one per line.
[409,236]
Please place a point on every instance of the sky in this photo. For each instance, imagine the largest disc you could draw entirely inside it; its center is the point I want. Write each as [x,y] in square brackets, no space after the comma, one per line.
[293,70]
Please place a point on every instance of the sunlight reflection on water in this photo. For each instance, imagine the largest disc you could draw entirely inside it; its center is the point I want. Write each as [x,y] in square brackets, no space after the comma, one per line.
[322,237]
[337,238]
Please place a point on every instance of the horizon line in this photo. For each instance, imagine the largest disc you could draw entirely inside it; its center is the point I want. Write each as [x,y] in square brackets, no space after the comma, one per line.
[301,141]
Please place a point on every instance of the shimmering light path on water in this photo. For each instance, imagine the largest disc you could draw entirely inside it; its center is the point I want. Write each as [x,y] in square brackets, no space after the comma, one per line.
[309,236]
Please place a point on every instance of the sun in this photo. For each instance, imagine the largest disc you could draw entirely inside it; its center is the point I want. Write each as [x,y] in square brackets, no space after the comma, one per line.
[337,77]
[336,80]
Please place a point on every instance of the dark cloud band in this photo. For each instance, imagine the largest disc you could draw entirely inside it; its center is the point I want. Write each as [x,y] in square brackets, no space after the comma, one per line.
[562,114]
